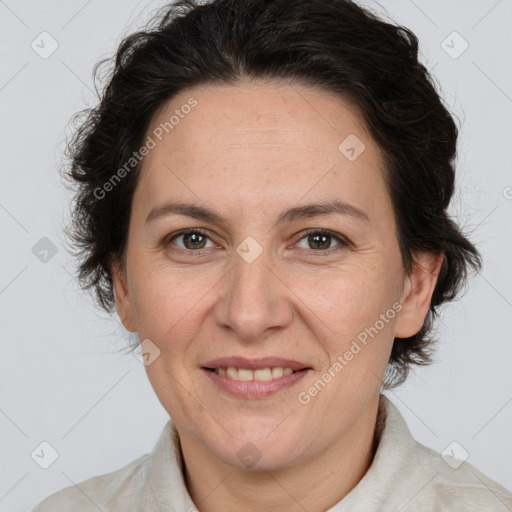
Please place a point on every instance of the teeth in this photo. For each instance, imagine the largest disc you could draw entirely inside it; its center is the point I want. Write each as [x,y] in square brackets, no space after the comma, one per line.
[263,374]
[232,373]
[243,374]
[277,372]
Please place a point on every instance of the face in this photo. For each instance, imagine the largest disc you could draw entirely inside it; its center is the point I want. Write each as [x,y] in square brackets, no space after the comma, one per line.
[281,256]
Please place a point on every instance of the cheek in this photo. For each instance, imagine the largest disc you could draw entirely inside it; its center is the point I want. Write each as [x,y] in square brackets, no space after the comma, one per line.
[347,297]
[336,304]
[166,306]
[357,309]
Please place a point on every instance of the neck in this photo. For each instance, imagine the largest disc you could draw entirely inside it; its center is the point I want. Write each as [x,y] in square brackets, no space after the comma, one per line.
[315,485]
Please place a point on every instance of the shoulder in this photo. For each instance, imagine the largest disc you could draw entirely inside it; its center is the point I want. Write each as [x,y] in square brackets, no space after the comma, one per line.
[425,480]
[459,486]
[103,492]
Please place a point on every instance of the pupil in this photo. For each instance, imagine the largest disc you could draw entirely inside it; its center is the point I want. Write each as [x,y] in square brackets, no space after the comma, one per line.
[317,239]
[194,237]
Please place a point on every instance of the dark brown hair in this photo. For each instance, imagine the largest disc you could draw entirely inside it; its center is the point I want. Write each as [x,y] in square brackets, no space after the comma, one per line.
[332,44]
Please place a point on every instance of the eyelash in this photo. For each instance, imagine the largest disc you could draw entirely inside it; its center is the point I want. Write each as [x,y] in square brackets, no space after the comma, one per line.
[342,242]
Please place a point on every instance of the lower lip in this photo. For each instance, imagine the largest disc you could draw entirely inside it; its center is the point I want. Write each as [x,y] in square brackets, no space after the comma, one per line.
[255,388]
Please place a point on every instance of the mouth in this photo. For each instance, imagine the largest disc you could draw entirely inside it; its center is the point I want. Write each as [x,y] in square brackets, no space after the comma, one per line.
[254,378]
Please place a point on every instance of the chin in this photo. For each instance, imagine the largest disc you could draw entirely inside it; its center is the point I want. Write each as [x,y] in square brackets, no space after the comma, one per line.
[258,451]
[253,458]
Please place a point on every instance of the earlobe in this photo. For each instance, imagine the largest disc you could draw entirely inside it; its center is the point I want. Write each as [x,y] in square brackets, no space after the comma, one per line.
[418,290]
[122,297]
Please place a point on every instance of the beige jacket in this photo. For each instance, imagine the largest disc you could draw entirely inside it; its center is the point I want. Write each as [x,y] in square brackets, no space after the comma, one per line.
[405,476]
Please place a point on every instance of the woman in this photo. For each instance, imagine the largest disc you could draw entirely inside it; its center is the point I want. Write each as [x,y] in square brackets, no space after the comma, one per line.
[262,196]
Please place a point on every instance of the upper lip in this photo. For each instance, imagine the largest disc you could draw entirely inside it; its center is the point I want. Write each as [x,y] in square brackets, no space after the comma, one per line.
[256,363]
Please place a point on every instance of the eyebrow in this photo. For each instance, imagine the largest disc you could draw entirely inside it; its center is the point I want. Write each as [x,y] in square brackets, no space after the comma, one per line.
[288,216]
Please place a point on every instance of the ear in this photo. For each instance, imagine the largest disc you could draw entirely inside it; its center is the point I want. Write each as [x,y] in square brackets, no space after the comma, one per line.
[122,296]
[418,289]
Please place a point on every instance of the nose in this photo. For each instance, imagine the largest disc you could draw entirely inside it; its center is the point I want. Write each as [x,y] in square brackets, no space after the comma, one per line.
[254,301]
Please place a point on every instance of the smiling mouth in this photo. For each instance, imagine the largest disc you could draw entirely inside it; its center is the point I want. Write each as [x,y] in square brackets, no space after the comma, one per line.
[256,378]
[261,374]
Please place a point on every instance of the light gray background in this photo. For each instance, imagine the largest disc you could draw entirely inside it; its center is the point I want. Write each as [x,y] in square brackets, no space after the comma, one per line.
[60,378]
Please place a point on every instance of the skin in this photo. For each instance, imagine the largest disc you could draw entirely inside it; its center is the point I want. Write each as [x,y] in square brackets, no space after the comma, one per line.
[249,152]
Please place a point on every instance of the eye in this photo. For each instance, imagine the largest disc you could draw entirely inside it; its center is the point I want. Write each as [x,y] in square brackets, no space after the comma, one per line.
[320,240]
[192,239]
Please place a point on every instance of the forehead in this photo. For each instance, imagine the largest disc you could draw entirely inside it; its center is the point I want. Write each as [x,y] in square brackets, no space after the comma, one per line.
[255,111]
[242,140]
